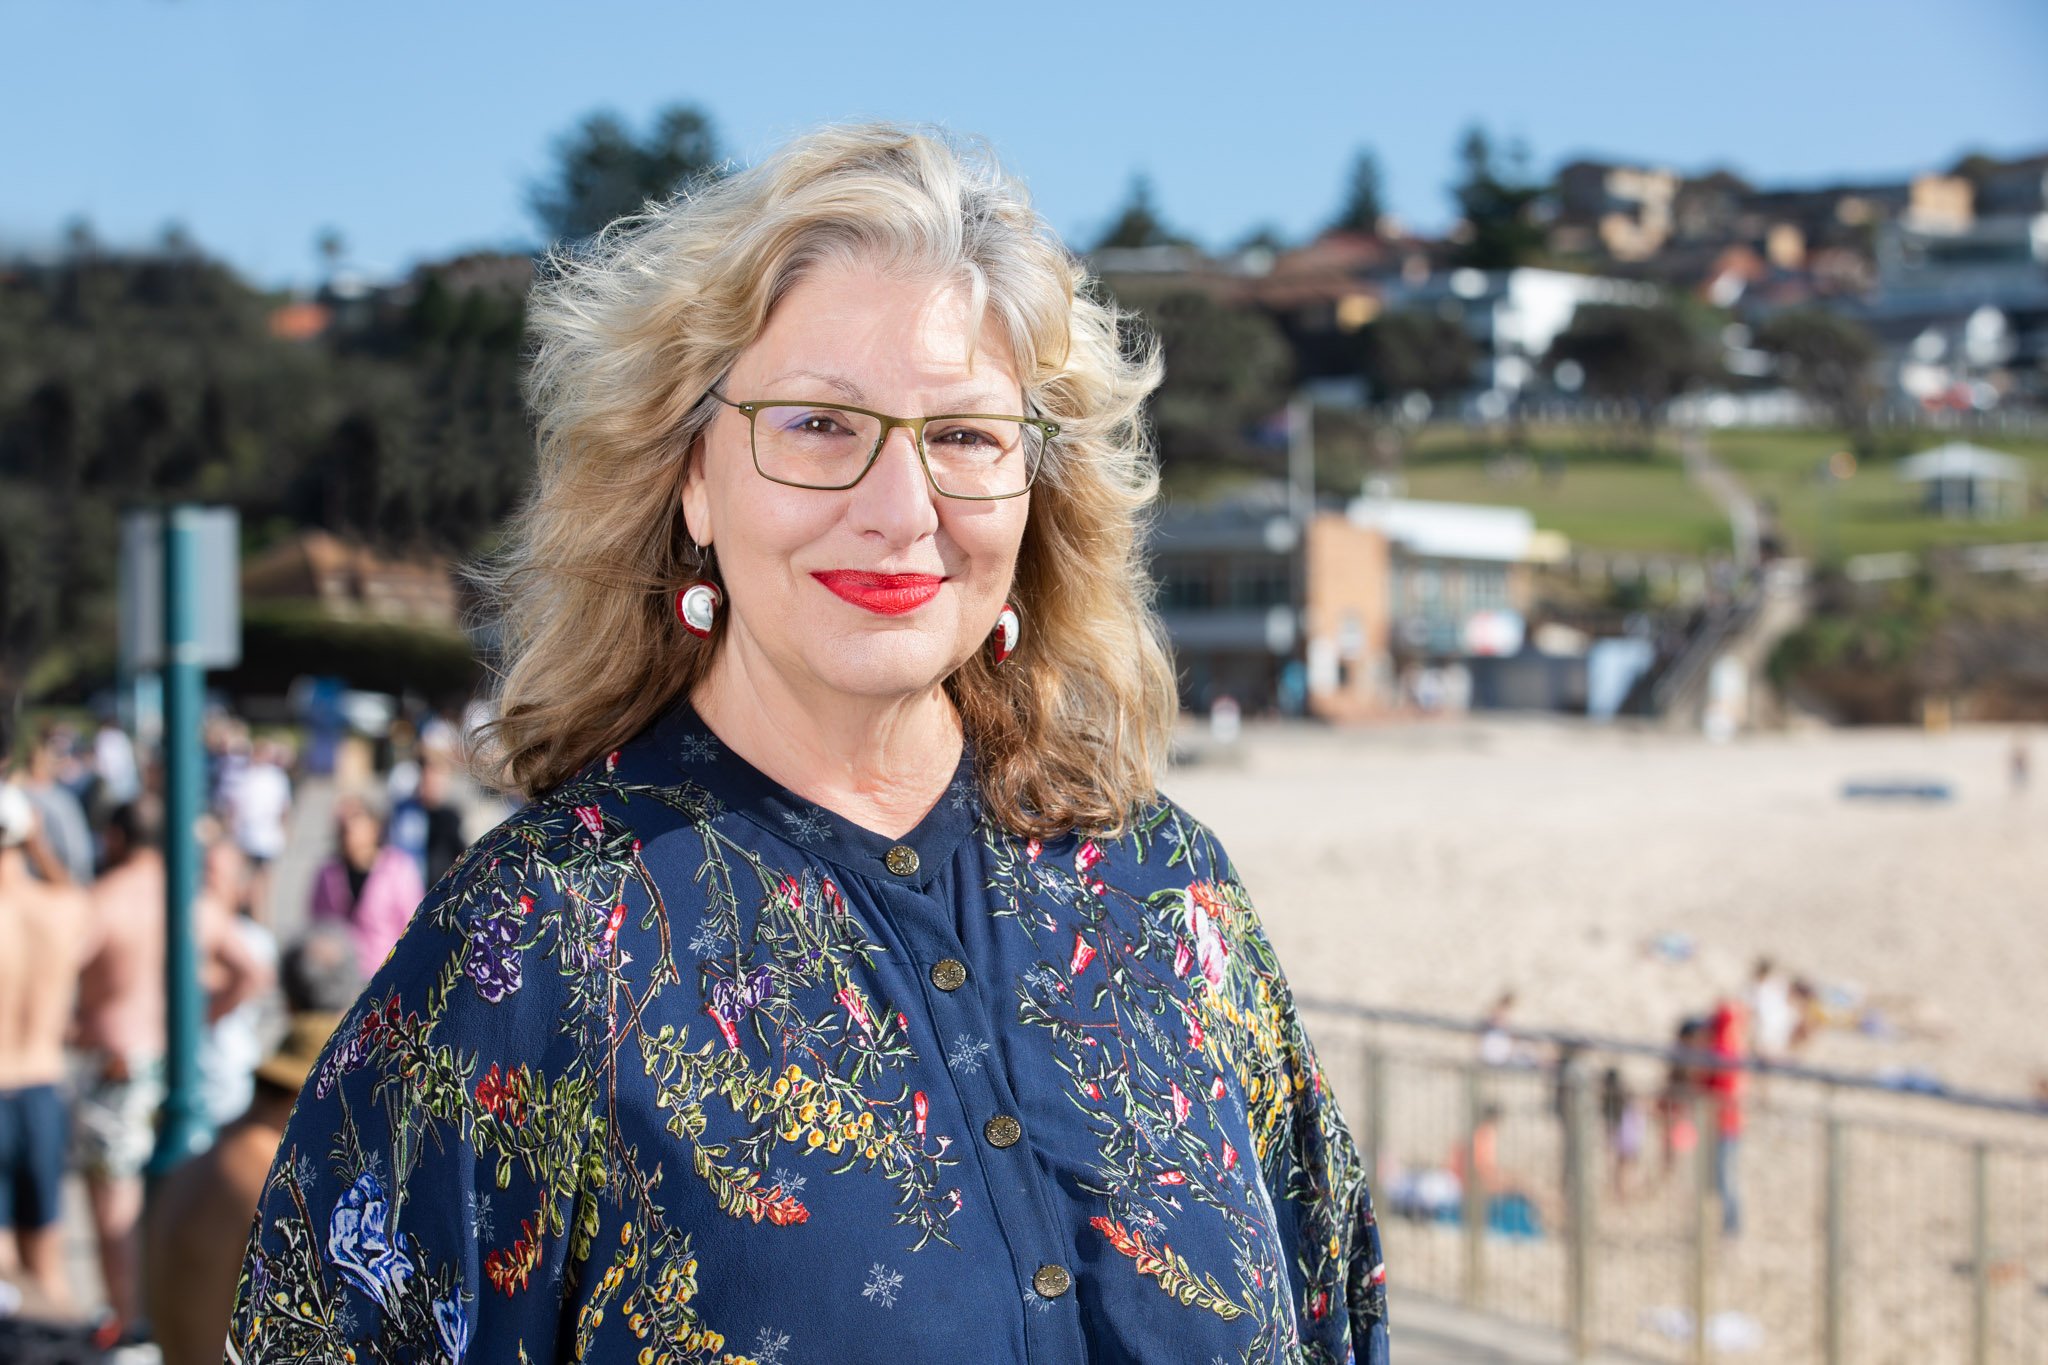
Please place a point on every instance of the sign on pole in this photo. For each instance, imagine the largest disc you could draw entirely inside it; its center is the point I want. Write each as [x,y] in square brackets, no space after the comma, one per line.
[216,598]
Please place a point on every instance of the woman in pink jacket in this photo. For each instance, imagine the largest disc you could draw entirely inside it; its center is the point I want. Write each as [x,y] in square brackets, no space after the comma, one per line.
[371,886]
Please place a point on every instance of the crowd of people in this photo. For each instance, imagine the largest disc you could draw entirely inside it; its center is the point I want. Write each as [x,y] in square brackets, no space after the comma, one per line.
[82,997]
[1703,1094]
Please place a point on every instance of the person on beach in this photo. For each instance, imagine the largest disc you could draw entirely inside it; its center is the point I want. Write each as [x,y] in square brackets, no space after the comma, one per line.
[60,817]
[258,799]
[370,885]
[43,931]
[1682,1086]
[120,1034]
[1725,1083]
[1626,1125]
[845,983]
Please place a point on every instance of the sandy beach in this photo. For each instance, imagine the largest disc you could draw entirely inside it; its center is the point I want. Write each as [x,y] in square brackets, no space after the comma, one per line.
[1434,865]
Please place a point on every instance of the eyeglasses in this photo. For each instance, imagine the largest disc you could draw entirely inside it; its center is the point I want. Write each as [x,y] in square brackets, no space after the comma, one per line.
[981,457]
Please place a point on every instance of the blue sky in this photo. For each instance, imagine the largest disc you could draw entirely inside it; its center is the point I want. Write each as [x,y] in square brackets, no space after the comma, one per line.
[415,128]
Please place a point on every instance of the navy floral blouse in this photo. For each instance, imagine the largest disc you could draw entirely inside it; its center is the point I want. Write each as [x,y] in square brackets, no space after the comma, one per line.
[674,1066]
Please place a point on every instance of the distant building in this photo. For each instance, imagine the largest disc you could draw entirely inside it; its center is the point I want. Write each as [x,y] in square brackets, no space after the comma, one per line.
[1959,308]
[2001,261]
[351,582]
[1456,568]
[1232,578]
[1959,480]
[1333,619]
[1514,315]
[1851,215]
[1623,212]
[2016,189]
[1817,242]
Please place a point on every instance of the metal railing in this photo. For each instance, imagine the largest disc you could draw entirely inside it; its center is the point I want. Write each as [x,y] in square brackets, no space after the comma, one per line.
[1870,1226]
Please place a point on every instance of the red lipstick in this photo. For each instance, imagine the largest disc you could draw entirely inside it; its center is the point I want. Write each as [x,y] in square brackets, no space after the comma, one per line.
[885,594]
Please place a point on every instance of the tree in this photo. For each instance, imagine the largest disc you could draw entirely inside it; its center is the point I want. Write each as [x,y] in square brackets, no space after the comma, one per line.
[1138,223]
[1976,167]
[1226,369]
[174,240]
[332,249]
[1412,352]
[130,377]
[1498,205]
[1364,205]
[1644,357]
[80,241]
[603,172]
[1264,237]
[1826,357]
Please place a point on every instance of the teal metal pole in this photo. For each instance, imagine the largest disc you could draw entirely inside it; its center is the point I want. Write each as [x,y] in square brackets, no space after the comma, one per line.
[183,1131]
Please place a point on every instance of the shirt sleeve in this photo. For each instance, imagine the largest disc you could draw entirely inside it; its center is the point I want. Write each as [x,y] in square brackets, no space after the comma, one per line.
[1306,1155]
[432,1186]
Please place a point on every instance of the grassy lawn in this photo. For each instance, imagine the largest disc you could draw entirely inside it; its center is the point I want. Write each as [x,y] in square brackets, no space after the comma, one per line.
[1644,508]
[1874,512]
[1611,494]
[1608,495]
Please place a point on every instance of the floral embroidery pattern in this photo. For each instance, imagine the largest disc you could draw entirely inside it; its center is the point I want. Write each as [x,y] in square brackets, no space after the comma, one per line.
[586,1080]
[1188,954]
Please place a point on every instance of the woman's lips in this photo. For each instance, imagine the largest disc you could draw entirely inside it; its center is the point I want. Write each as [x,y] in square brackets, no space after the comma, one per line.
[885,594]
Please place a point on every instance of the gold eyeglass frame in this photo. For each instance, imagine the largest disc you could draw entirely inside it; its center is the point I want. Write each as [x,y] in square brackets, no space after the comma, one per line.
[914,425]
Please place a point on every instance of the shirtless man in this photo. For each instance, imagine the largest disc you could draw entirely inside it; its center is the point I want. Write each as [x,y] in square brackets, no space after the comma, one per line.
[121,1033]
[197,1229]
[42,941]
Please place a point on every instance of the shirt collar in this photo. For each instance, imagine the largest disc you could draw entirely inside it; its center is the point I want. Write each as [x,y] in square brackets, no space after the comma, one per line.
[706,761]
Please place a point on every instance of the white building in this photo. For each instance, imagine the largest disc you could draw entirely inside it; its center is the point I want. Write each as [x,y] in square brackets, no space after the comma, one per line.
[1514,315]
[1965,481]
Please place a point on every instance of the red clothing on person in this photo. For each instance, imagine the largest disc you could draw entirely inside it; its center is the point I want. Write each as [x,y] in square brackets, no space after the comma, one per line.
[1725,1041]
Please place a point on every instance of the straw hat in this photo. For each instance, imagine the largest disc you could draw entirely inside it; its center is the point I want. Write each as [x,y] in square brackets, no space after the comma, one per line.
[299,1053]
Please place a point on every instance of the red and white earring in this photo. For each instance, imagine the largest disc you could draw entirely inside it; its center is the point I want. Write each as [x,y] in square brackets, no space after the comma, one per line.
[1003,643]
[697,607]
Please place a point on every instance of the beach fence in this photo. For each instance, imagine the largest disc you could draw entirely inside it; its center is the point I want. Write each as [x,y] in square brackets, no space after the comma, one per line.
[1871,1225]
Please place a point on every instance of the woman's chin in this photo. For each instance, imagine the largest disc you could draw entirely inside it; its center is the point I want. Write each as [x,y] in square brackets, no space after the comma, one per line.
[883,666]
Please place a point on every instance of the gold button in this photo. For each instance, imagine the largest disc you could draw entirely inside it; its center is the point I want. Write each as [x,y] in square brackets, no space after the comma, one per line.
[1051,1281]
[1002,1131]
[949,974]
[902,860]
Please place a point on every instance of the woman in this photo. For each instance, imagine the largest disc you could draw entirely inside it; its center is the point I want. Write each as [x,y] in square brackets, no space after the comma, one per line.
[846,988]
[370,885]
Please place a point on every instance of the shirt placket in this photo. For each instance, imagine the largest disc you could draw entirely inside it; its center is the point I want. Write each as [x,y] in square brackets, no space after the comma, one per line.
[956,1003]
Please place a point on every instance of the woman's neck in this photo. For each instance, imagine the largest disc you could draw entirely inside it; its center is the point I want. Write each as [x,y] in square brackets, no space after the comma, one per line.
[880,762]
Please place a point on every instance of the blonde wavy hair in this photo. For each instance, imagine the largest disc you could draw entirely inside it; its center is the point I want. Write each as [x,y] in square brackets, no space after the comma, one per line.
[631,332]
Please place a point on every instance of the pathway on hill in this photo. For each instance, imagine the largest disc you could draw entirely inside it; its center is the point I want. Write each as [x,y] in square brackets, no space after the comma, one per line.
[1718,483]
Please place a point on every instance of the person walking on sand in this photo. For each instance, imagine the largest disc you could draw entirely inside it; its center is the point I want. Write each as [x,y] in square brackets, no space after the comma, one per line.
[42,942]
[1724,1083]
[121,1034]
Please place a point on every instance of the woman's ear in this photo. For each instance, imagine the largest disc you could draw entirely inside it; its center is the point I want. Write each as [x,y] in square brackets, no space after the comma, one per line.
[696,494]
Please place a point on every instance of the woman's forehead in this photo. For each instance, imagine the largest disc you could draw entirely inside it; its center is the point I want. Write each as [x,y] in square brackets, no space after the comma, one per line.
[861,335]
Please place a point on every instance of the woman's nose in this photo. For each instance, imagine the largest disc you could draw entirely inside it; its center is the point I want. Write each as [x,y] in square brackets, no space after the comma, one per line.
[896,497]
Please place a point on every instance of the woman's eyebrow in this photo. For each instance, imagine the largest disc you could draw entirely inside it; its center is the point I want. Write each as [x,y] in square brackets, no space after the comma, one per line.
[977,400]
[847,388]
